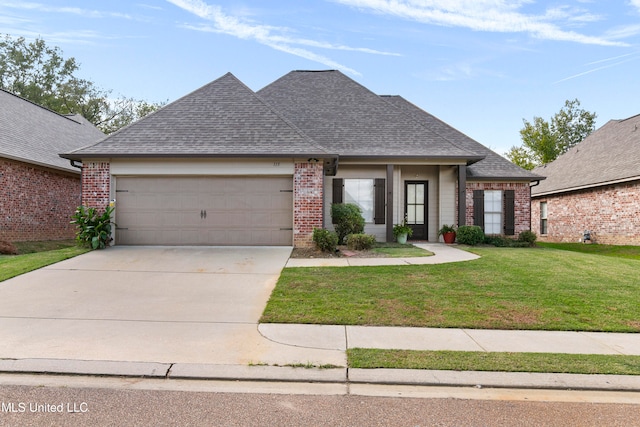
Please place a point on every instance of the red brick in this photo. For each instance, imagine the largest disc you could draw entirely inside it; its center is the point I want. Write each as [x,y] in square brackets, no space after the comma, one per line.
[611,213]
[37,202]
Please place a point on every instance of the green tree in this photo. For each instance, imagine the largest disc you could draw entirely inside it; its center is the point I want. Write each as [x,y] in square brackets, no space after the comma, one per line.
[40,73]
[543,141]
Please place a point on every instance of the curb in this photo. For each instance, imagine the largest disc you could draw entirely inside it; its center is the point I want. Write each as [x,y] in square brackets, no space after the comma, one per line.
[408,377]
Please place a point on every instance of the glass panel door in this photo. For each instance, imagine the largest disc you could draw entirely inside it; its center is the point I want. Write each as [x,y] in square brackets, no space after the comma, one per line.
[416,208]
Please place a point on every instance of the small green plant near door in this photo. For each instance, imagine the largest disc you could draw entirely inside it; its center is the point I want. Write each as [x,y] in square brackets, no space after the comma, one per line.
[93,229]
[402,231]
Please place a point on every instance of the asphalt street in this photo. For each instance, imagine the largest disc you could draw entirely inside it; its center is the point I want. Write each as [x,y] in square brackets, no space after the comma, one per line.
[37,400]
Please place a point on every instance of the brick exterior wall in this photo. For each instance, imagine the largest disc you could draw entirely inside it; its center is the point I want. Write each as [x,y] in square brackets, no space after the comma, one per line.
[610,213]
[307,202]
[522,201]
[96,181]
[36,202]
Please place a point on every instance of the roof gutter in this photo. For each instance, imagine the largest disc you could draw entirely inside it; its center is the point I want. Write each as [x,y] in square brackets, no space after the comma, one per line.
[74,164]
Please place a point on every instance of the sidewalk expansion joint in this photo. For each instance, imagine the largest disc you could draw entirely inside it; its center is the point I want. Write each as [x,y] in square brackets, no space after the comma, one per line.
[166,375]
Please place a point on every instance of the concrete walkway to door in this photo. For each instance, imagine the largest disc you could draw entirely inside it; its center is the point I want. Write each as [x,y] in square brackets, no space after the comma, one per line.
[192,305]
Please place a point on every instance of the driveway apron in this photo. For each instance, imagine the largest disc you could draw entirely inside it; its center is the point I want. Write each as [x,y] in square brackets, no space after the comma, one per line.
[149,304]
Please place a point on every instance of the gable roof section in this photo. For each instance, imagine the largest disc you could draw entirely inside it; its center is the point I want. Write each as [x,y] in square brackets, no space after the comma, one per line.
[34,134]
[222,118]
[609,155]
[350,120]
[493,166]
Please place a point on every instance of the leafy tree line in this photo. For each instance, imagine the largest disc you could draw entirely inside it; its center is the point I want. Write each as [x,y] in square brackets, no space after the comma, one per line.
[543,141]
[42,75]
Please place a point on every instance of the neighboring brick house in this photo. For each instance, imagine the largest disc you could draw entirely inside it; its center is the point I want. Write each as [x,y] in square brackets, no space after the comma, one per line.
[39,191]
[228,166]
[594,187]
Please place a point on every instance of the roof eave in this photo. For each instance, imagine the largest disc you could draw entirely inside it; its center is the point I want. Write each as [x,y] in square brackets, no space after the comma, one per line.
[80,156]
[41,164]
[586,187]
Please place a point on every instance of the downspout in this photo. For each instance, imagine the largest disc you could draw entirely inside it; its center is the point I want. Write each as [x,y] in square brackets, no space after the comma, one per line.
[531,204]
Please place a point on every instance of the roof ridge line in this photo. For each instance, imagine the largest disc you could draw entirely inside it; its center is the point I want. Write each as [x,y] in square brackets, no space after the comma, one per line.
[41,106]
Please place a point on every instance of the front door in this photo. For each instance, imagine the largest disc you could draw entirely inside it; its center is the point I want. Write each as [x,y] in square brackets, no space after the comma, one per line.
[415,208]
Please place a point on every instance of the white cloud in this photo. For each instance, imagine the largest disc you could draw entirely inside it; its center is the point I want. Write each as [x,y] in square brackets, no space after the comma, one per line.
[275,37]
[488,15]
[635,3]
[71,10]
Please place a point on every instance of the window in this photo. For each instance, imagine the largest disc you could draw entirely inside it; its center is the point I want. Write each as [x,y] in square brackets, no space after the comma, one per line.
[543,217]
[360,192]
[492,212]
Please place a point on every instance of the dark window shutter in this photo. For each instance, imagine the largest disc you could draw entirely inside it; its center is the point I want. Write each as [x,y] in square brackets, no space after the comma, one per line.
[338,183]
[378,201]
[509,213]
[478,208]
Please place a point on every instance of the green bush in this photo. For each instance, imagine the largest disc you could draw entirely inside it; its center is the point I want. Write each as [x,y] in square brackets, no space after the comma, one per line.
[360,242]
[325,240]
[528,237]
[93,229]
[347,219]
[498,240]
[470,235]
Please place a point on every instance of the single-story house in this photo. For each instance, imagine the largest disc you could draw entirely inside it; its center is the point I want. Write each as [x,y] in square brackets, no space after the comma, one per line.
[39,190]
[228,166]
[593,189]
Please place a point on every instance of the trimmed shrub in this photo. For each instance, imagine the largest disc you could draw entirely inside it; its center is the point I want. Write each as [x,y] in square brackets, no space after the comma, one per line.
[360,242]
[498,241]
[325,240]
[470,235]
[528,237]
[347,219]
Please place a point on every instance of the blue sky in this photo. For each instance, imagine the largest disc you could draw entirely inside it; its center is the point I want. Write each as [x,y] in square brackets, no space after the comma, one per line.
[479,65]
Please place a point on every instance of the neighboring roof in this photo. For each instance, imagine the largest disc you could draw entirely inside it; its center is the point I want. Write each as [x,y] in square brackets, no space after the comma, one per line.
[350,120]
[222,118]
[33,134]
[609,155]
[493,166]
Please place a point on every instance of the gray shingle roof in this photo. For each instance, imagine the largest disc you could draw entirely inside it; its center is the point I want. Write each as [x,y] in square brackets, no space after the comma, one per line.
[610,154]
[493,166]
[349,119]
[222,118]
[33,134]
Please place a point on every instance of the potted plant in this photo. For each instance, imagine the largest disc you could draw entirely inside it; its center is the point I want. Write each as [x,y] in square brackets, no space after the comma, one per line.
[448,233]
[402,231]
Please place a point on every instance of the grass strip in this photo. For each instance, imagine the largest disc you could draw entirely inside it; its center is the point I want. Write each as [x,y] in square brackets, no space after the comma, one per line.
[495,362]
[401,251]
[14,265]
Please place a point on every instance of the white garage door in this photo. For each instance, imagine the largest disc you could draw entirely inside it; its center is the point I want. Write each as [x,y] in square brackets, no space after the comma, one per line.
[204,211]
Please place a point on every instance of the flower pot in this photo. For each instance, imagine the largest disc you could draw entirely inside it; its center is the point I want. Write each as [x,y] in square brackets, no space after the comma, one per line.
[402,238]
[449,237]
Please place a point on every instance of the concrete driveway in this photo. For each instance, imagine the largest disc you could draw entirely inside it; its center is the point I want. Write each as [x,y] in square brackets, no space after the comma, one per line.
[149,304]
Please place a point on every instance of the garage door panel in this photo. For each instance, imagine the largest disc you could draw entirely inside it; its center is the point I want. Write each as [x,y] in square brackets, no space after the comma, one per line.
[170,210]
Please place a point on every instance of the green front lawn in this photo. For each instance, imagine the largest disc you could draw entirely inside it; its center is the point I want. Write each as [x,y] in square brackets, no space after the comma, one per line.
[14,265]
[368,358]
[630,252]
[507,288]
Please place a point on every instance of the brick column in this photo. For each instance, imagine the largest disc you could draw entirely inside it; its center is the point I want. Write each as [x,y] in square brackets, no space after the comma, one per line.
[96,178]
[307,201]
